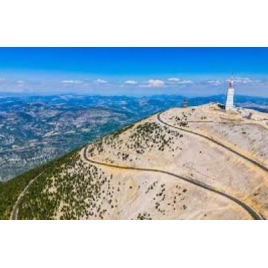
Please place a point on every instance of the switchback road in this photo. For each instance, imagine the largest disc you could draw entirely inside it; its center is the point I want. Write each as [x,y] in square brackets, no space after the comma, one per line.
[251,212]
[200,184]
[252,161]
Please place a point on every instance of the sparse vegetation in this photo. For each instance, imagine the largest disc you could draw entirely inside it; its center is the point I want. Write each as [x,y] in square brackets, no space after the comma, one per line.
[143,138]
[144,216]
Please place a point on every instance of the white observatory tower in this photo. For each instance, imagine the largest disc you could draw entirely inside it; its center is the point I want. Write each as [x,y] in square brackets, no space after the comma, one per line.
[230,96]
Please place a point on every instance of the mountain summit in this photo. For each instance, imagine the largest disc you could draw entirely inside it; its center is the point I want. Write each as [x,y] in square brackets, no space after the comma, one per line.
[184,163]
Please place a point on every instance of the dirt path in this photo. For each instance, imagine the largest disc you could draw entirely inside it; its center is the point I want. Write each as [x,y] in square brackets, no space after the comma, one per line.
[15,210]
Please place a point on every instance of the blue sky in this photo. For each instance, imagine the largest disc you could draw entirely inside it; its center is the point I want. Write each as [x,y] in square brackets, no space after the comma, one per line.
[133,71]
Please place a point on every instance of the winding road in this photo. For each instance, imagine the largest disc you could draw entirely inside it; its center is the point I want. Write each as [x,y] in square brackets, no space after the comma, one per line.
[252,161]
[250,211]
[15,210]
[254,215]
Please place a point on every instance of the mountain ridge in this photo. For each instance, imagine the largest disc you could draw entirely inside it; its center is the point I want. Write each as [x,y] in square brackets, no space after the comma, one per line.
[70,188]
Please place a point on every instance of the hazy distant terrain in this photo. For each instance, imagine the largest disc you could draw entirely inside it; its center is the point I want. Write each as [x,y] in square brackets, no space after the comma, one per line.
[36,129]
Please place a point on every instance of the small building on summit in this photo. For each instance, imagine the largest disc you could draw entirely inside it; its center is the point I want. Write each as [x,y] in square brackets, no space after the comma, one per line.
[230,96]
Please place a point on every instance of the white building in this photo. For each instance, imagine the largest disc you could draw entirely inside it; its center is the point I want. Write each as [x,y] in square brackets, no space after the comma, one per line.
[230,96]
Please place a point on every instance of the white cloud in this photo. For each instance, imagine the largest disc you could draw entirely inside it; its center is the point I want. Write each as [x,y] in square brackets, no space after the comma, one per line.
[173,79]
[179,81]
[131,82]
[184,82]
[71,82]
[20,82]
[100,81]
[155,83]
[243,80]
[215,82]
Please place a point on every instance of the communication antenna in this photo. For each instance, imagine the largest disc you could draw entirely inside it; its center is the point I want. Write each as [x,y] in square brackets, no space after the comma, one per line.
[185,103]
[231,84]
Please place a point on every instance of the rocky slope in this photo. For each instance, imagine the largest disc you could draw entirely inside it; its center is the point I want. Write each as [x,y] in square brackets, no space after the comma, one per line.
[193,163]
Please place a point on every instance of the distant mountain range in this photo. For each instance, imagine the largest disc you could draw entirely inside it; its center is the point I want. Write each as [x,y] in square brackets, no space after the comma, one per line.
[36,129]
